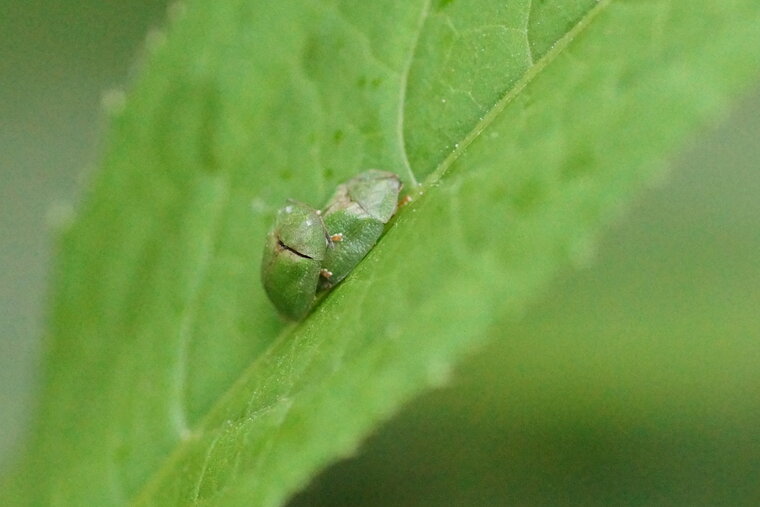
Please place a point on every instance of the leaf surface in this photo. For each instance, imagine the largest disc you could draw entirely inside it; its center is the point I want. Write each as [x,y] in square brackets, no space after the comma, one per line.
[520,127]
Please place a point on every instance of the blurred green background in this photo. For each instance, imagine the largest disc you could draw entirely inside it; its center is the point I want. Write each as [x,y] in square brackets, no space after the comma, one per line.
[635,379]
[57,60]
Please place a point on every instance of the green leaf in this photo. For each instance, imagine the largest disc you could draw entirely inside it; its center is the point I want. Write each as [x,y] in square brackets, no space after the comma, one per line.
[527,124]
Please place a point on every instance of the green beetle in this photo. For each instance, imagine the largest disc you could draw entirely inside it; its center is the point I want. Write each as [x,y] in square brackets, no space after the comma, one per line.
[292,261]
[309,250]
[355,218]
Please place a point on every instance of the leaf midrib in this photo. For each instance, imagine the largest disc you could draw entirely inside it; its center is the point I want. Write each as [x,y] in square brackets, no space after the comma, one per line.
[431,180]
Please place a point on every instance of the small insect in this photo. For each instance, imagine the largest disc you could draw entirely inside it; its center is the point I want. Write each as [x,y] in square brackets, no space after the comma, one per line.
[293,255]
[355,217]
[309,250]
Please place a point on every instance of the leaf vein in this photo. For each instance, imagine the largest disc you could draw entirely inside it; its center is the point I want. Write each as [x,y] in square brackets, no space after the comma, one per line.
[403,82]
[512,93]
